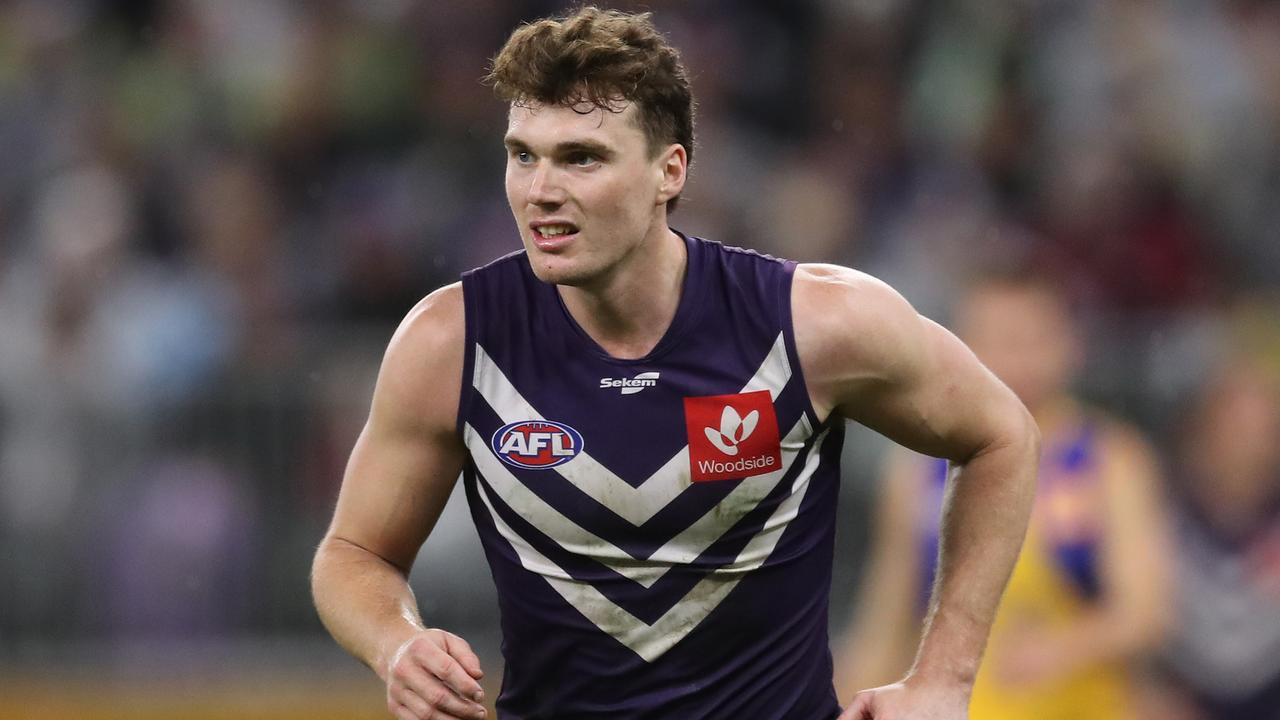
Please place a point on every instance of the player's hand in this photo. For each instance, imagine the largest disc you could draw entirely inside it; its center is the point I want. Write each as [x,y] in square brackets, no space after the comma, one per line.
[433,676]
[912,699]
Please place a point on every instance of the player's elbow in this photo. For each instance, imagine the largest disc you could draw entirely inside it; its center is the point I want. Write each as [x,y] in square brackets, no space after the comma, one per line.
[1015,432]
[1017,437]
[323,566]
[335,558]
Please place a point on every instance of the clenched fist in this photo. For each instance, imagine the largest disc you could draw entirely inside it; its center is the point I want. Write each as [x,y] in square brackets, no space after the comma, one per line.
[910,700]
[433,676]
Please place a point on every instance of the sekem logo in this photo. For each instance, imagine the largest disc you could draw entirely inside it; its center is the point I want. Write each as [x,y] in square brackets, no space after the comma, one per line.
[631,386]
[732,436]
[536,444]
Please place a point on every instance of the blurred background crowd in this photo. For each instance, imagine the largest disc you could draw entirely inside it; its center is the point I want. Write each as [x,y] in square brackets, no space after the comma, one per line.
[214,212]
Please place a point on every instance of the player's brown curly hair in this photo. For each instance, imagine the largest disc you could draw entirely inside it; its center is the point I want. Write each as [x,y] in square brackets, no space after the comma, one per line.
[603,58]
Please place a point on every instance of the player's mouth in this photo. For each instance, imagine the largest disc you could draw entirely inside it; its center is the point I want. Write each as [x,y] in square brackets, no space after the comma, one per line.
[552,235]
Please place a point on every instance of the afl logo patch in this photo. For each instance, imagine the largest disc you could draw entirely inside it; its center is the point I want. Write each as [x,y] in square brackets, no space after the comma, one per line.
[536,444]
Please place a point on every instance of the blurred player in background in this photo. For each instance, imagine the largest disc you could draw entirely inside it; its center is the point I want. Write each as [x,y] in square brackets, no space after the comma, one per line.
[649,427]
[1089,591]
[1222,660]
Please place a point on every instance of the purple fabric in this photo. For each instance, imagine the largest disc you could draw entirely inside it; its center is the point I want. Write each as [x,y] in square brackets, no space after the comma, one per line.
[762,651]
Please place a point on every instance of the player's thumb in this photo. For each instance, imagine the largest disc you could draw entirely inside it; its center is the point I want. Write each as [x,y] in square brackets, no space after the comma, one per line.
[860,709]
[459,650]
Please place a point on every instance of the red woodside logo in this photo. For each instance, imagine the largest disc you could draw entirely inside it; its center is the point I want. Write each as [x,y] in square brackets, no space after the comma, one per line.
[732,436]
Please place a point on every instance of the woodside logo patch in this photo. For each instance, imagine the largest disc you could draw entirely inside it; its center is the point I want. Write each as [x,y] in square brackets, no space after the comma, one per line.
[732,436]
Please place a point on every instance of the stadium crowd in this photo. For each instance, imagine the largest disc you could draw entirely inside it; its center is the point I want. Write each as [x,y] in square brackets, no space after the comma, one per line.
[214,212]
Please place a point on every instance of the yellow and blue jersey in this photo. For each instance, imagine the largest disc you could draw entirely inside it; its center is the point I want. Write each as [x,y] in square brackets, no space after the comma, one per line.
[1055,580]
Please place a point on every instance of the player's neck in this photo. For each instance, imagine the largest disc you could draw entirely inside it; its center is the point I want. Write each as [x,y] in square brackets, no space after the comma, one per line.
[628,311]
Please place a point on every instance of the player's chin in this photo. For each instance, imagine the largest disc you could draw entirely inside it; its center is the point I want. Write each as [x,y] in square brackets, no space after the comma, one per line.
[558,270]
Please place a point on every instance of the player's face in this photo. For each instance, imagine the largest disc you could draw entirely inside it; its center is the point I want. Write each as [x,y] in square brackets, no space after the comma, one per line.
[1234,442]
[1024,336]
[584,189]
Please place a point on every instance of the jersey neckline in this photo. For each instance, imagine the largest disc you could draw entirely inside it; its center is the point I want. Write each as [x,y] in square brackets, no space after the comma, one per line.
[686,310]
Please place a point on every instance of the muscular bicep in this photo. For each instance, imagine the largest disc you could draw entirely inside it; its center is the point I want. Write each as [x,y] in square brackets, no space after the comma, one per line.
[408,456]
[941,401]
[392,493]
[869,357]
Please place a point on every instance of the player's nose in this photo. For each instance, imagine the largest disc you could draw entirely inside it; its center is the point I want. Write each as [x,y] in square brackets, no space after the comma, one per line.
[545,187]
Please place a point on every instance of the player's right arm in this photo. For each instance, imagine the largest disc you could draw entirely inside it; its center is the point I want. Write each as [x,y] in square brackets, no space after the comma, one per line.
[400,475]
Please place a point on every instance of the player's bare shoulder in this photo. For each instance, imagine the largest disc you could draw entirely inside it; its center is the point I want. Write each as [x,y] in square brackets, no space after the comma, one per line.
[420,380]
[851,329]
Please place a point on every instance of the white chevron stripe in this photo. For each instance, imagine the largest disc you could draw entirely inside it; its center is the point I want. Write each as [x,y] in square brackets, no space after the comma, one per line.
[551,522]
[635,504]
[774,372]
[679,550]
[651,641]
[686,546]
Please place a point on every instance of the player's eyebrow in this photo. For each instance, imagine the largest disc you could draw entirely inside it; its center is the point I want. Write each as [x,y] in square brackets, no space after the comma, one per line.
[515,144]
[590,147]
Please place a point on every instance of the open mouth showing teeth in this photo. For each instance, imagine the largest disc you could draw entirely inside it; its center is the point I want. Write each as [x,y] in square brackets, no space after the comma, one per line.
[550,231]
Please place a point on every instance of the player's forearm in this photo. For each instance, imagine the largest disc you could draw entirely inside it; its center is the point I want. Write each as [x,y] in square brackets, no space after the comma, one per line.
[364,601]
[984,520]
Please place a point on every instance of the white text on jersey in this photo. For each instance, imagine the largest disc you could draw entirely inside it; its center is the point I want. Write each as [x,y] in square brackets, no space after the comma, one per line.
[631,386]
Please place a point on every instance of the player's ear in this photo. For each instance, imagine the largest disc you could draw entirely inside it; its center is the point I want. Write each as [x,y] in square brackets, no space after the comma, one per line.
[672,166]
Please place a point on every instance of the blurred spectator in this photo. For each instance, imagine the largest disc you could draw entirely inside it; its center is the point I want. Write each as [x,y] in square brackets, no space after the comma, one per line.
[1088,592]
[1222,661]
[179,554]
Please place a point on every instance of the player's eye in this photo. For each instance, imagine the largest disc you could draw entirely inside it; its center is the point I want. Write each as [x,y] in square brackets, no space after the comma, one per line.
[581,159]
[524,157]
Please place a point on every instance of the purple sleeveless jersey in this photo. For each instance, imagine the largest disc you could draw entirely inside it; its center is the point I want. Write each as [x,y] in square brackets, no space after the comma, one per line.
[660,530]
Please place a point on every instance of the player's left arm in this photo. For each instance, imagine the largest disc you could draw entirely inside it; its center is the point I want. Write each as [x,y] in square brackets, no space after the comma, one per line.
[869,357]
